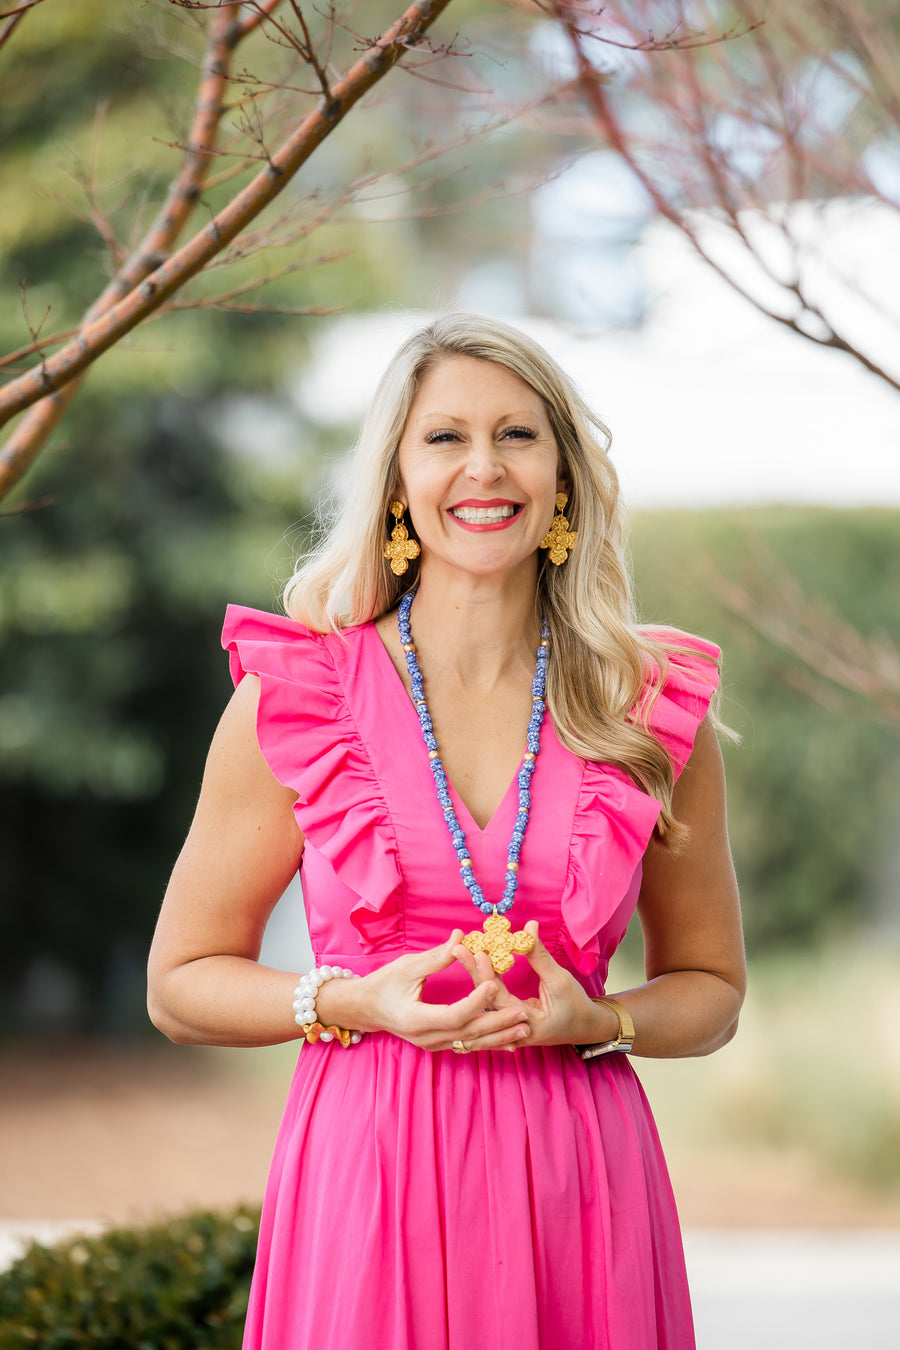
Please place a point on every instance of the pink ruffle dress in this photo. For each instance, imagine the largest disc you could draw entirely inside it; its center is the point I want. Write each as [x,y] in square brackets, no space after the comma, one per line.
[423,1201]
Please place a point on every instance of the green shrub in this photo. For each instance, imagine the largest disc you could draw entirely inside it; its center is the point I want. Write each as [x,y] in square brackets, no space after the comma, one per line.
[814,788]
[174,1286]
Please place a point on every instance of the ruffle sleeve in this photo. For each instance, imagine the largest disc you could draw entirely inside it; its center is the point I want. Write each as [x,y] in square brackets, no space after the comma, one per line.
[691,680]
[311,743]
[614,819]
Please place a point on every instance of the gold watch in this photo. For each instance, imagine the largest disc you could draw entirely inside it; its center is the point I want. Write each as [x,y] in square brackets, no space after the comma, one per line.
[624,1039]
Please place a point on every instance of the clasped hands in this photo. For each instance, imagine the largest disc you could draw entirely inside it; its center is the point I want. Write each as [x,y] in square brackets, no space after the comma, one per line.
[490,1017]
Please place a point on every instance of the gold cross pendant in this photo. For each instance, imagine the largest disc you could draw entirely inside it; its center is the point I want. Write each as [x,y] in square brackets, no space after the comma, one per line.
[400,548]
[500,944]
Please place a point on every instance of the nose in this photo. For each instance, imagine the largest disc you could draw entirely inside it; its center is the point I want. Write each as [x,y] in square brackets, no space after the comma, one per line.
[484,463]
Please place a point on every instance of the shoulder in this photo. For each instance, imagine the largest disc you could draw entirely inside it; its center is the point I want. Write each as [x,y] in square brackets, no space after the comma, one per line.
[237,768]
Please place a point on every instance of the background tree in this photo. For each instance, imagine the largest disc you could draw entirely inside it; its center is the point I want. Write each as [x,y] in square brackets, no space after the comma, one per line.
[764,152]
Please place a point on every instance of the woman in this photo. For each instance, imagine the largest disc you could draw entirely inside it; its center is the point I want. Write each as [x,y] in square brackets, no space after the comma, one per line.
[455,1174]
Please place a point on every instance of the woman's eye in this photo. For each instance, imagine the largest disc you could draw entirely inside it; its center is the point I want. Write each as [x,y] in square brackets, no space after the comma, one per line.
[509,433]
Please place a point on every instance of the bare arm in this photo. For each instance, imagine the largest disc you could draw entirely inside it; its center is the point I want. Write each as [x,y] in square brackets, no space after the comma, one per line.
[205,985]
[691,923]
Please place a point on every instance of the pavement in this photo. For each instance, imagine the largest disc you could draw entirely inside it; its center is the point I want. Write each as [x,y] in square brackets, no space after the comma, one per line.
[752,1289]
[793,1290]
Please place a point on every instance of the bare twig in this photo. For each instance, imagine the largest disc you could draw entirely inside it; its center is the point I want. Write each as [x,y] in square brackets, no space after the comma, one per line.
[693,180]
[13,18]
[225,306]
[225,299]
[261,11]
[586,22]
[825,653]
[13,358]
[88,184]
[34,331]
[613,132]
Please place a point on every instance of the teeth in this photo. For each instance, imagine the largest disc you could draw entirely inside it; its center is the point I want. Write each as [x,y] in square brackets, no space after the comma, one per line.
[482,515]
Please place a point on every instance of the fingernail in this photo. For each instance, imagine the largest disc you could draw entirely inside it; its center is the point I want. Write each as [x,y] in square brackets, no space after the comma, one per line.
[521,1033]
[491,991]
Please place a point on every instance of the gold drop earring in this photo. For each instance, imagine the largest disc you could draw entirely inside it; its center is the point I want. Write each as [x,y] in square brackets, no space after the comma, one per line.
[559,538]
[400,548]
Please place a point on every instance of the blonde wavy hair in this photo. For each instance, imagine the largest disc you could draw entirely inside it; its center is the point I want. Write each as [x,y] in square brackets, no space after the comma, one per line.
[604,673]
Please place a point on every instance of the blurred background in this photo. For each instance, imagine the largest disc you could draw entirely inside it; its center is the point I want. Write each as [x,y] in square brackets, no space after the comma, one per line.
[707,236]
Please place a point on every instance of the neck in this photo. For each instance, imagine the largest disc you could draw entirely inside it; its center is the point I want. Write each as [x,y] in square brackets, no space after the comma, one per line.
[476,629]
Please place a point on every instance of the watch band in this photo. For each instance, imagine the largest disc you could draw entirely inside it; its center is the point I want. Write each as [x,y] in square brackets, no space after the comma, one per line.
[624,1039]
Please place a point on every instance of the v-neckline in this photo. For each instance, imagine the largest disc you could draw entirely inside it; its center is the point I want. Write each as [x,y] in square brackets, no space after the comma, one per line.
[458,800]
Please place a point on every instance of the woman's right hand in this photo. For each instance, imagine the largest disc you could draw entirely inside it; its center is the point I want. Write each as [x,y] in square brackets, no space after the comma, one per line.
[390,999]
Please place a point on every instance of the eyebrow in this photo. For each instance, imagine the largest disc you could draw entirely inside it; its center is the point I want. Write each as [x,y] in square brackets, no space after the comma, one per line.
[461,417]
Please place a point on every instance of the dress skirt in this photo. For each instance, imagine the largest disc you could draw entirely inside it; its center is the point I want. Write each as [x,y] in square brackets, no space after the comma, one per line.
[423,1201]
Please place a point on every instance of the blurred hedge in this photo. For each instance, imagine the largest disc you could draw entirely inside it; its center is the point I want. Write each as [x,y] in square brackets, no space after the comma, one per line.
[814,787]
[181,1285]
[111,683]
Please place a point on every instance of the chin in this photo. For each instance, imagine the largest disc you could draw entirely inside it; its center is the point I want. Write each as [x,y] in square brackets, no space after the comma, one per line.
[486,563]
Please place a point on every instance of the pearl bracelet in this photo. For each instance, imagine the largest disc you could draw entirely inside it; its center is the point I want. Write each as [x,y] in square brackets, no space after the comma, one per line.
[305,1006]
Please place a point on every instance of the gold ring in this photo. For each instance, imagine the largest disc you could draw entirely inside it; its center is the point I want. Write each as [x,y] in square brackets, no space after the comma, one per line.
[460,1048]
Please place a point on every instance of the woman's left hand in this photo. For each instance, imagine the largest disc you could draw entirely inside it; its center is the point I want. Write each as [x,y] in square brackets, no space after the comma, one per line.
[562,1013]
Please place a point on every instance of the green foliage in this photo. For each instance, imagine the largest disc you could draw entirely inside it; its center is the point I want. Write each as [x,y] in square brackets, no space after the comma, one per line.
[175,1286]
[111,681]
[813,790]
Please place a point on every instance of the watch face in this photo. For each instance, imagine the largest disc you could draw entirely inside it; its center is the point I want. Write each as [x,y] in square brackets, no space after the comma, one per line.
[595,1051]
[615,1047]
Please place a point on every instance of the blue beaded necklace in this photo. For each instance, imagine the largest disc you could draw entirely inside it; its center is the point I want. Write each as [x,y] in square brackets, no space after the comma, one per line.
[497,940]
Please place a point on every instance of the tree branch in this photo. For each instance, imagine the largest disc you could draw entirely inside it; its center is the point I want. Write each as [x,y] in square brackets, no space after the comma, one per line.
[20,353]
[14,17]
[592,87]
[261,10]
[45,412]
[103,331]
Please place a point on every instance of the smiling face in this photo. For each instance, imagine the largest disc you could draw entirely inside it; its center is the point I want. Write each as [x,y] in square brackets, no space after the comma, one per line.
[479,467]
